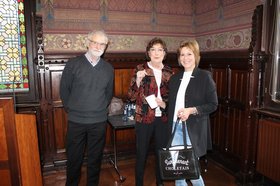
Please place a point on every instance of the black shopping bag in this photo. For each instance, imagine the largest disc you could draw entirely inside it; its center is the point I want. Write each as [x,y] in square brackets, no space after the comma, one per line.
[178,162]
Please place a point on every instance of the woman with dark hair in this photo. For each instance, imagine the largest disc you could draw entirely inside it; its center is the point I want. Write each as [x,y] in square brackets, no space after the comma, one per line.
[192,97]
[150,80]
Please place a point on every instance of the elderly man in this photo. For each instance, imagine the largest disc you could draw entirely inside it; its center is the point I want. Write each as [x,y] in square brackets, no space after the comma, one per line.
[86,90]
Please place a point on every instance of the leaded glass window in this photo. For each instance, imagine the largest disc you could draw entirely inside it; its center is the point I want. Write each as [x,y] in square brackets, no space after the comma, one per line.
[13,59]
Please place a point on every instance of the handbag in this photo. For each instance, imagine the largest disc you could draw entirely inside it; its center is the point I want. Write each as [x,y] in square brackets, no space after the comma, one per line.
[116,106]
[178,162]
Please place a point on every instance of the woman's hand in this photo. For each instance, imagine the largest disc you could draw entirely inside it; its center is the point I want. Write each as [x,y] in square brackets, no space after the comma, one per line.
[161,103]
[184,113]
[139,76]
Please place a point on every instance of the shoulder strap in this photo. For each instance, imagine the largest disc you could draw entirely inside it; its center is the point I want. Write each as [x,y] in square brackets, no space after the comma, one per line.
[173,134]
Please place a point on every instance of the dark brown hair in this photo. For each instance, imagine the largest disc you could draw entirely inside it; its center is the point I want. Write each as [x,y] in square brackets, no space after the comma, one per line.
[153,42]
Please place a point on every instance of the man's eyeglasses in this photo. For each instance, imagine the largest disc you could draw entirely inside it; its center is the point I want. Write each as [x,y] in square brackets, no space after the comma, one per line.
[160,50]
[103,45]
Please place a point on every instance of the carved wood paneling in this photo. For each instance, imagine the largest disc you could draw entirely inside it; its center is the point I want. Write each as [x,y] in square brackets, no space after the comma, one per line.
[218,123]
[220,77]
[236,127]
[60,123]
[230,72]
[230,125]
[239,76]
[237,116]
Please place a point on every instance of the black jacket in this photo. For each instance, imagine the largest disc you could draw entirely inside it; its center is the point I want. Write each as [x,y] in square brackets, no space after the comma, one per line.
[200,93]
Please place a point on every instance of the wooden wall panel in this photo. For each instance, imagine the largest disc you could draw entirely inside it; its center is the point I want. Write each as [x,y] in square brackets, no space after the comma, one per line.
[228,124]
[268,151]
[237,98]
[27,140]
[122,82]
[220,77]
[10,163]
[3,141]
[238,76]
[219,128]
[229,119]
[4,166]
[55,77]
[60,124]
[5,176]
[236,128]
[59,118]
[19,159]
[238,88]
[218,124]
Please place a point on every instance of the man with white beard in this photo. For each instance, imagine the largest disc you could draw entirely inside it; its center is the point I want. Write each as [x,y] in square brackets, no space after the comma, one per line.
[86,90]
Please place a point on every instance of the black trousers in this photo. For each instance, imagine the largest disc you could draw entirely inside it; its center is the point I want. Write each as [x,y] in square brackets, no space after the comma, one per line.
[144,133]
[79,136]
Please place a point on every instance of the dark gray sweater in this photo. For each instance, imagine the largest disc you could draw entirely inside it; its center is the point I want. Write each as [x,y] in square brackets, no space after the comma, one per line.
[86,91]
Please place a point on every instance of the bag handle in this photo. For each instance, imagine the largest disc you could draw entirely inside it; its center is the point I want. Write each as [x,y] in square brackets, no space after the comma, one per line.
[173,134]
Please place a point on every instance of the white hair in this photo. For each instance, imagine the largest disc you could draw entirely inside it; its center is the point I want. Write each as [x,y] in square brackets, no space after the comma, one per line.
[96,32]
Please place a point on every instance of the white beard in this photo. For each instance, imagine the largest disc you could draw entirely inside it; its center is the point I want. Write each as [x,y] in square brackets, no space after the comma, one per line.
[96,53]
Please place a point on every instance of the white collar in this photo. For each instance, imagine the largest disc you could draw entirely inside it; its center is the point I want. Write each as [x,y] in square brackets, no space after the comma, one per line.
[89,59]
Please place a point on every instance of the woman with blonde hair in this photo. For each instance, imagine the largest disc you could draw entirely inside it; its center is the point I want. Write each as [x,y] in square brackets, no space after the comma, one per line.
[192,97]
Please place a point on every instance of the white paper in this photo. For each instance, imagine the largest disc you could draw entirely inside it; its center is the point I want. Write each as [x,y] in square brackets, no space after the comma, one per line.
[151,99]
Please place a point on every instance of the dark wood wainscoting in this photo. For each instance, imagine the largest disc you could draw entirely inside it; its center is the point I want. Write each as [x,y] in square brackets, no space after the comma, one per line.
[229,124]
[230,127]
[268,148]
[53,122]
[240,81]
[268,143]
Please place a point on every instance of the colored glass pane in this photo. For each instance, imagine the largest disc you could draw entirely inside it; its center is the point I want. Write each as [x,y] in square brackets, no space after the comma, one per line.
[13,55]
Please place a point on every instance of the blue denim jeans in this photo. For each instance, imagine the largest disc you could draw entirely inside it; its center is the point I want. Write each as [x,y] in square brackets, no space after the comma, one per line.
[178,140]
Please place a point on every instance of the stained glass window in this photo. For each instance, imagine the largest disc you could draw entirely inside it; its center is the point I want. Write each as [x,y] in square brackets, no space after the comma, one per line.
[13,59]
